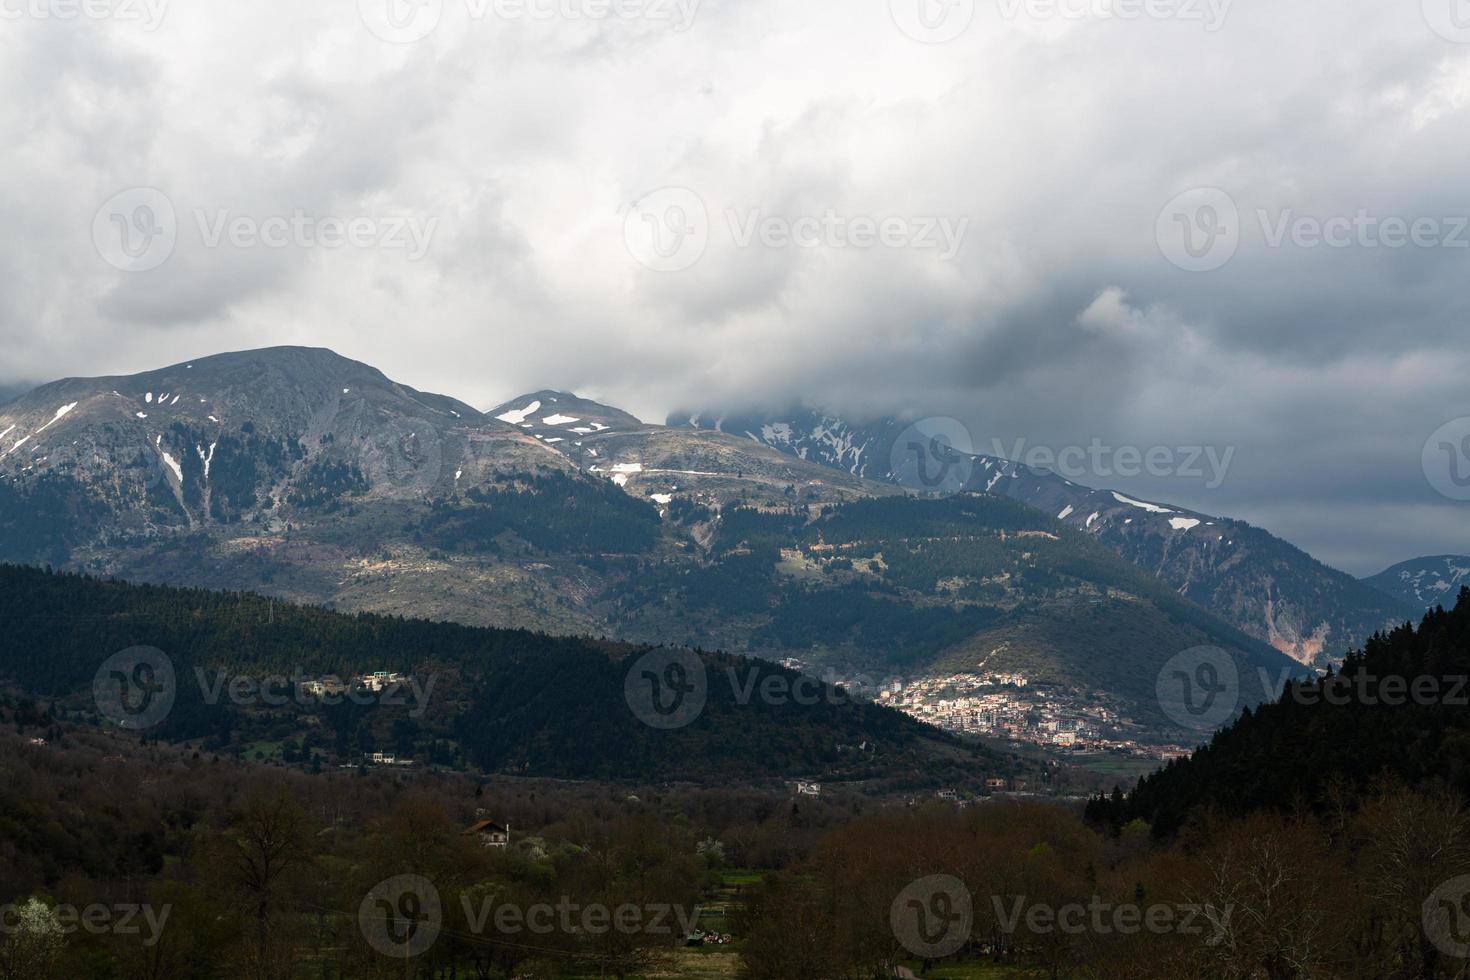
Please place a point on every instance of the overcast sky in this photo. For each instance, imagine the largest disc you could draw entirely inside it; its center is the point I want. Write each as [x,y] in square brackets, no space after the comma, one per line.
[940,207]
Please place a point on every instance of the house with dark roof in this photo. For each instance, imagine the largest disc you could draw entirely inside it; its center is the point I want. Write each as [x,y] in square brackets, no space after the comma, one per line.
[490,833]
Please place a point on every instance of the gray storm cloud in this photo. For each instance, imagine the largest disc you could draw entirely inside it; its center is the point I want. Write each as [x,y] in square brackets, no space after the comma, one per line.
[827,147]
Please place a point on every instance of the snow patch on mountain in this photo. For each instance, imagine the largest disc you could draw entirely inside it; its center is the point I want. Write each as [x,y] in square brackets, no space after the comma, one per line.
[519,416]
[61,413]
[1151,508]
[619,472]
[776,432]
[172,464]
[206,458]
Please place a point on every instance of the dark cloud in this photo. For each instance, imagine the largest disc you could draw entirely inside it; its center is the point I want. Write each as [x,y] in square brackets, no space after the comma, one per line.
[529,144]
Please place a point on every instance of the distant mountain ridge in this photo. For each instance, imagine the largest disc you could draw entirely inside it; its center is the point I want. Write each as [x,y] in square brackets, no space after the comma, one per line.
[316,479]
[1261,584]
[1425,582]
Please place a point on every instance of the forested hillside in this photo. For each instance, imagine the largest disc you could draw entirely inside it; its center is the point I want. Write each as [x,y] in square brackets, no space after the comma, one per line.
[492,700]
[964,583]
[1397,712]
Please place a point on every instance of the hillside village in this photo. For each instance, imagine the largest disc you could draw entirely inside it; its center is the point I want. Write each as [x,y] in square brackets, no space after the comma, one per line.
[1010,707]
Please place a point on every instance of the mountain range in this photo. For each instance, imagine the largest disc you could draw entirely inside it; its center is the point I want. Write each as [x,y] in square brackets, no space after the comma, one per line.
[308,476]
[1252,579]
[1425,582]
